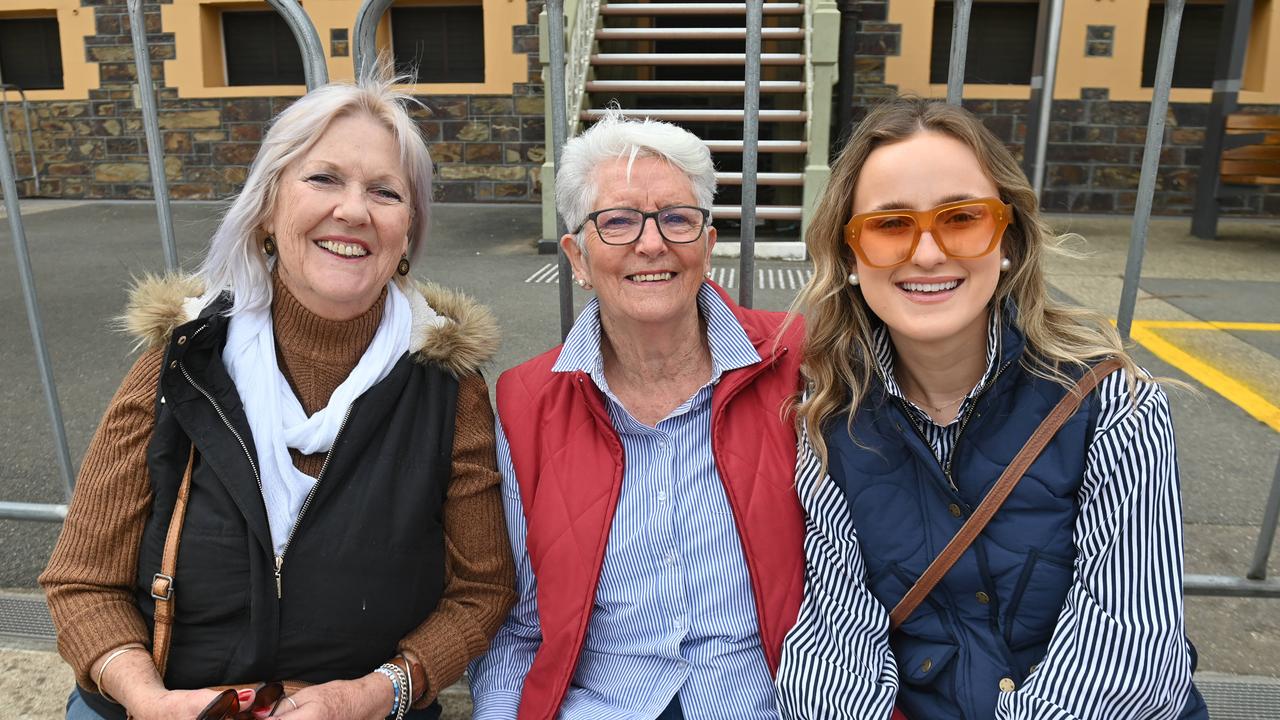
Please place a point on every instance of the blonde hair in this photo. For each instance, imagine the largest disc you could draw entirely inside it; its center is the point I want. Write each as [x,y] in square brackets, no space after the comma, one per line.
[234,261]
[838,350]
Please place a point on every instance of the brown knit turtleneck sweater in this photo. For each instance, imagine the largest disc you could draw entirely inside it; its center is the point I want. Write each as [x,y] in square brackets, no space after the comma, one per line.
[90,579]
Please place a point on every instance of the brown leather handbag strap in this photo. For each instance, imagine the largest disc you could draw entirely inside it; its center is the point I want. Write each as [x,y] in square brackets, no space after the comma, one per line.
[162,582]
[1065,408]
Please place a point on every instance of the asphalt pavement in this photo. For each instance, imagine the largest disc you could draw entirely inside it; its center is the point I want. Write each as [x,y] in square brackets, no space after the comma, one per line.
[1207,310]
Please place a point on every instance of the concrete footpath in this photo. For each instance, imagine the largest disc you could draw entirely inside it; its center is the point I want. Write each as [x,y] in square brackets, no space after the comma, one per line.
[1208,314]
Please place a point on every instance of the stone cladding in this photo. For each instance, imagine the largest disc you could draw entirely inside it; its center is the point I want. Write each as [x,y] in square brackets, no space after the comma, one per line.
[485,147]
[1095,148]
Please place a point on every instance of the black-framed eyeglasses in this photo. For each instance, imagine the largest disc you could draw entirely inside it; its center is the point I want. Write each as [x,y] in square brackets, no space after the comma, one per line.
[623,226]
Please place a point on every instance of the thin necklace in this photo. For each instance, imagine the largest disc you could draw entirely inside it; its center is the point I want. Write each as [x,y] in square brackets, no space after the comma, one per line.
[938,408]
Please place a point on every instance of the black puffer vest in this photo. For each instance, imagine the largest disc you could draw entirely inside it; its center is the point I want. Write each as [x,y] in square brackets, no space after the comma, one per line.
[365,564]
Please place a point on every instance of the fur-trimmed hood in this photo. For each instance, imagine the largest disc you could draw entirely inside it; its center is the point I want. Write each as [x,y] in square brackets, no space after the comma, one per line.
[461,337]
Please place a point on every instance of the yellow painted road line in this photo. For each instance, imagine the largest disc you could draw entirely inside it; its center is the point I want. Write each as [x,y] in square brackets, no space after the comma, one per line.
[1206,325]
[1207,375]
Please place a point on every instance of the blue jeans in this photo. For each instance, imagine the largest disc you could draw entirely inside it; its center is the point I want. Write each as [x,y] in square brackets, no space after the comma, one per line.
[77,710]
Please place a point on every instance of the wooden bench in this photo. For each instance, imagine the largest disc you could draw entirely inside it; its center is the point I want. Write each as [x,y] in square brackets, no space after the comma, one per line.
[1251,150]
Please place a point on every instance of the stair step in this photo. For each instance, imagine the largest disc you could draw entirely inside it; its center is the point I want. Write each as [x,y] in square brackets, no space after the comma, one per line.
[692,86]
[697,8]
[769,33]
[763,212]
[768,146]
[794,116]
[762,178]
[694,59]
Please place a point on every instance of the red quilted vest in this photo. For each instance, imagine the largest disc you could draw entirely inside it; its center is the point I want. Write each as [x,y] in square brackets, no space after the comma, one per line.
[563,444]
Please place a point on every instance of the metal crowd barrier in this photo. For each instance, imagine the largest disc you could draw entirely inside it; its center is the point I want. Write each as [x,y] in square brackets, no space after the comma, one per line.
[1255,584]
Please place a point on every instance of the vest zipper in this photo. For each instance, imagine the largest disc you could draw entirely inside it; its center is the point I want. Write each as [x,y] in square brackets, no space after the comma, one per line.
[964,421]
[307,503]
[279,559]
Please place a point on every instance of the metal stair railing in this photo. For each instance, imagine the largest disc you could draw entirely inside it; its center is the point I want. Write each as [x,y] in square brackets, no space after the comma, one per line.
[5,89]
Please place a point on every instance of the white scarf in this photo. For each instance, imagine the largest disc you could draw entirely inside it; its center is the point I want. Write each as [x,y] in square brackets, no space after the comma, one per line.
[276,416]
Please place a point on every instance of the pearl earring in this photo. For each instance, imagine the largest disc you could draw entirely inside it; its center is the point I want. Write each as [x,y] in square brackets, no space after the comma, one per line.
[1005,264]
[853,278]
[582,283]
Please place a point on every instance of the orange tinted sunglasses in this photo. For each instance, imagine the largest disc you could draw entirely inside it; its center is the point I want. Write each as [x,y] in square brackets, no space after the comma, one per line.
[961,229]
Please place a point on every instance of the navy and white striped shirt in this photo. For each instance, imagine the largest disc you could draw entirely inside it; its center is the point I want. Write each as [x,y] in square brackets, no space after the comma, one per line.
[674,610]
[1118,650]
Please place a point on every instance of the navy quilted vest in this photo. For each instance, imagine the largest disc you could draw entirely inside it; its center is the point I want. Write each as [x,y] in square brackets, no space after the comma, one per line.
[989,621]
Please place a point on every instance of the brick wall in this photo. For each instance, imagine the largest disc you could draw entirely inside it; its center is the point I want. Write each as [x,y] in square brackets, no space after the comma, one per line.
[1094,155]
[486,147]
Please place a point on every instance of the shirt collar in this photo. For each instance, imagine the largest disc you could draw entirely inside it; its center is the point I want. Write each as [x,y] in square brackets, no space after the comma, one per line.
[730,347]
[883,347]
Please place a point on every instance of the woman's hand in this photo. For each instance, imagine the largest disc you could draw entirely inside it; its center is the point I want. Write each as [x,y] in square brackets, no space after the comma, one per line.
[366,698]
[170,704]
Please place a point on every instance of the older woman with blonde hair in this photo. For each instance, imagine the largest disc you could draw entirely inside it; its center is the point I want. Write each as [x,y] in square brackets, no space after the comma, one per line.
[933,349]
[296,481]
[646,463]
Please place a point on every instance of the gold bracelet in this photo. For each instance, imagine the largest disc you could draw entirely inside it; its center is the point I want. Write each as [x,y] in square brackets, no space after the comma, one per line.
[103,669]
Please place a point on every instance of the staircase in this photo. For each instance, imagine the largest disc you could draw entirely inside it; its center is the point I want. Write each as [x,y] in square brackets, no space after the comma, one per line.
[684,63]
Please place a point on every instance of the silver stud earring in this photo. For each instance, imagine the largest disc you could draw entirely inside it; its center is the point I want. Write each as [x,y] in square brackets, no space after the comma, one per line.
[708,273]
[1005,264]
[853,278]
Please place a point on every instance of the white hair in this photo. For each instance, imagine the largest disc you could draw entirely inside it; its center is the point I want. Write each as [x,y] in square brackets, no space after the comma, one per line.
[235,261]
[615,137]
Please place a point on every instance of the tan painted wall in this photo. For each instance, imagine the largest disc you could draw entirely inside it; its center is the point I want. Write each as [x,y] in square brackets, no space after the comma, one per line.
[1120,74]
[74,23]
[197,69]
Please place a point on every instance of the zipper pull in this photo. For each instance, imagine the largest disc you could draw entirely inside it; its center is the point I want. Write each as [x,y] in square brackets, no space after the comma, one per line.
[279,590]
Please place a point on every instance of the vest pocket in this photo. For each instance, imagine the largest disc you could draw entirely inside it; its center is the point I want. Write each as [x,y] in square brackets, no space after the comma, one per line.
[1037,599]
[921,662]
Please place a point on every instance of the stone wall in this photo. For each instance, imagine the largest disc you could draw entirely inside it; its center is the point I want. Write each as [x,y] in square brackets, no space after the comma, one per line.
[1094,155]
[486,147]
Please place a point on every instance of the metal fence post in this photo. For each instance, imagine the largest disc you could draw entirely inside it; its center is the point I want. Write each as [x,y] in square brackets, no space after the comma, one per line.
[960,13]
[9,182]
[1150,163]
[304,31]
[750,154]
[1053,36]
[151,125]
[559,133]
[364,38]
[1266,531]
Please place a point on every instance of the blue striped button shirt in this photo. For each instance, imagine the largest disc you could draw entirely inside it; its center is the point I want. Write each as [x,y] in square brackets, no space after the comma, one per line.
[1118,650]
[674,611]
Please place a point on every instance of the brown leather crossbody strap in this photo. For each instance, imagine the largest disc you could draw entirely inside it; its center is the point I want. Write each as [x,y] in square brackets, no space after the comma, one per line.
[162,582]
[1065,408]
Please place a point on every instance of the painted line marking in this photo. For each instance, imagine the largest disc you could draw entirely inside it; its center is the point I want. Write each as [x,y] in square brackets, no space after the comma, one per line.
[1207,325]
[1143,332]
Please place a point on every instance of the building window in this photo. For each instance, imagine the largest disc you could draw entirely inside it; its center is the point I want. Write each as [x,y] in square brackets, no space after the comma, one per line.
[439,44]
[31,53]
[1197,53]
[260,49]
[1002,43]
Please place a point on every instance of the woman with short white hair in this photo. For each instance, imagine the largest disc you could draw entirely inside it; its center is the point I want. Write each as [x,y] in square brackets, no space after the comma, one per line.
[646,462]
[296,480]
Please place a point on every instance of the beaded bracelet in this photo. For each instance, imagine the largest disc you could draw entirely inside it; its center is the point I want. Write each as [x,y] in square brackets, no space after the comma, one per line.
[399,683]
